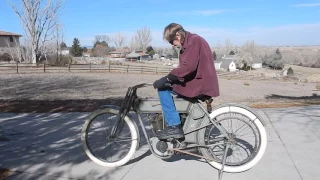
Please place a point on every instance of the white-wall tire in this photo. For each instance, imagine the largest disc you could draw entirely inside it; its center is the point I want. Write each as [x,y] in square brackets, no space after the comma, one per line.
[256,120]
[133,132]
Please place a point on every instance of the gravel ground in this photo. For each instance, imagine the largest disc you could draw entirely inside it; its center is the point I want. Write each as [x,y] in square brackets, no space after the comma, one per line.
[67,91]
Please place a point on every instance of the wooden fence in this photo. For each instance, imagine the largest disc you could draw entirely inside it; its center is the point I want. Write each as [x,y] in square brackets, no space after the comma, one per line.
[44,68]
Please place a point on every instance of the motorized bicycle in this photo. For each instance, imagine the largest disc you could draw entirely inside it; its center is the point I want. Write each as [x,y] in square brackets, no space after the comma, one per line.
[230,137]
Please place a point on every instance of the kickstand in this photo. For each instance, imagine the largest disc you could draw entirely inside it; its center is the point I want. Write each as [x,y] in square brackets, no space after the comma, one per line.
[223,162]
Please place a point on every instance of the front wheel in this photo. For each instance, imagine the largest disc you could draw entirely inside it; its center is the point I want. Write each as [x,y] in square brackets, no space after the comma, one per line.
[100,147]
[247,138]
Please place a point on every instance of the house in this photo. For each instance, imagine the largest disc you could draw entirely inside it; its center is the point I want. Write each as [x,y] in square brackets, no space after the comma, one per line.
[217,64]
[138,55]
[9,39]
[65,51]
[120,53]
[9,44]
[256,64]
[227,63]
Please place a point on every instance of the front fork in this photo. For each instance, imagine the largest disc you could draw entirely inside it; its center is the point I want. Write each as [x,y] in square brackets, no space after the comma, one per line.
[117,127]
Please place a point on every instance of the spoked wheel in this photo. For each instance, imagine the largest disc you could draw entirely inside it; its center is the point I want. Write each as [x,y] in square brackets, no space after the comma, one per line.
[100,147]
[247,138]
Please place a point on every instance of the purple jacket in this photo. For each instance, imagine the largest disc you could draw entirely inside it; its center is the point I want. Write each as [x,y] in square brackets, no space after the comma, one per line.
[196,69]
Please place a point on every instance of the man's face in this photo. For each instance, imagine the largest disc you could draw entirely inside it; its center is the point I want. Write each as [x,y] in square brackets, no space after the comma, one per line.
[176,41]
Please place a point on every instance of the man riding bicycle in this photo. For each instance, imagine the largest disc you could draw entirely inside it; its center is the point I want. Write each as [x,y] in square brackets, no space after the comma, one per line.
[195,77]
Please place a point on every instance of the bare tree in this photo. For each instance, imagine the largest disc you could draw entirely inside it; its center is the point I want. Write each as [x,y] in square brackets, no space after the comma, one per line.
[218,50]
[26,50]
[118,40]
[101,38]
[18,49]
[248,53]
[133,44]
[159,51]
[143,38]
[59,39]
[227,46]
[38,18]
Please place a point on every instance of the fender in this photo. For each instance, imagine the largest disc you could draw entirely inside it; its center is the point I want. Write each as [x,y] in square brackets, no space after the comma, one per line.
[244,107]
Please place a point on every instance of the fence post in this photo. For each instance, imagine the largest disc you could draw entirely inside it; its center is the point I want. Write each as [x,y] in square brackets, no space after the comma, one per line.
[90,67]
[69,67]
[109,66]
[44,67]
[128,68]
[141,68]
[17,67]
[156,70]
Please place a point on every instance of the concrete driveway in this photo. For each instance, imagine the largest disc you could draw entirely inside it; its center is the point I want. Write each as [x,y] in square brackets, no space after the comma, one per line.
[47,146]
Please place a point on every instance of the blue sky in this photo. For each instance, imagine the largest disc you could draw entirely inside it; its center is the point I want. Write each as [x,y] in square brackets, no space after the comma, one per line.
[267,22]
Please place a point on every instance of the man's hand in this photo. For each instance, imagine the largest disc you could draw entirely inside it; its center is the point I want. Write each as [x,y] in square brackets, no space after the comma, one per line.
[160,82]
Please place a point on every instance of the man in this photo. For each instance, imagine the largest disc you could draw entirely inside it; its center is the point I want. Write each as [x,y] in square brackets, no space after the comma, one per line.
[194,77]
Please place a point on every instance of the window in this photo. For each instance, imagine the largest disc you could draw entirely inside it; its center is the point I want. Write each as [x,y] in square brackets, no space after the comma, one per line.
[11,39]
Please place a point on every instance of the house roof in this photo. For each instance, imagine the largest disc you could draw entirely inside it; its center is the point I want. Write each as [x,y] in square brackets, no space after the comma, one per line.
[4,33]
[225,63]
[143,53]
[119,51]
[133,55]
[229,57]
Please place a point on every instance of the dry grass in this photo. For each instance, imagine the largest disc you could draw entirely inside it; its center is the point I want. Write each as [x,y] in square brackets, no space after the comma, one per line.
[304,70]
[284,104]
[87,90]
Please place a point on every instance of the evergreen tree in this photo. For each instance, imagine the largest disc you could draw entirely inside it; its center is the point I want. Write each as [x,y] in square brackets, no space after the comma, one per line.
[277,62]
[290,72]
[214,55]
[63,45]
[232,53]
[76,50]
[274,61]
[150,50]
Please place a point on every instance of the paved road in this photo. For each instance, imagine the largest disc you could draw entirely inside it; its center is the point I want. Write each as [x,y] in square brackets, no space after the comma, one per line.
[47,146]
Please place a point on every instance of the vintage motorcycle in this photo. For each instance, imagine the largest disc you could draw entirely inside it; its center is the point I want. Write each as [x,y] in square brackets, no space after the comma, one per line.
[230,137]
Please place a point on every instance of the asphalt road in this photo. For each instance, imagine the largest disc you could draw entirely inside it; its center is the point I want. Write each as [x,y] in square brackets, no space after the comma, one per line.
[47,146]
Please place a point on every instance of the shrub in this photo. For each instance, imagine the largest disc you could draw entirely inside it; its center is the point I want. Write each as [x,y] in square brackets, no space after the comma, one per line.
[61,61]
[318,87]
[246,84]
[290,72]
[5,57]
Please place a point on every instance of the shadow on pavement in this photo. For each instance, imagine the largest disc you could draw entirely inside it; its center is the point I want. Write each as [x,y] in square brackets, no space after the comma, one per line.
[53,106]
[312,97]
[49,144]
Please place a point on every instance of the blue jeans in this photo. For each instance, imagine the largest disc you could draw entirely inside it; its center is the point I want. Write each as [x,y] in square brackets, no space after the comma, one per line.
[170,113]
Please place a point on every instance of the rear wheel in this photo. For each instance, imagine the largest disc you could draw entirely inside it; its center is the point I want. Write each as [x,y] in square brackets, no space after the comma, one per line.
[99,147]
[247,138]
